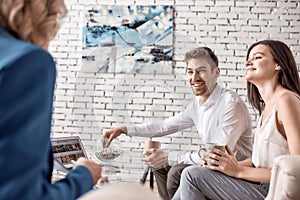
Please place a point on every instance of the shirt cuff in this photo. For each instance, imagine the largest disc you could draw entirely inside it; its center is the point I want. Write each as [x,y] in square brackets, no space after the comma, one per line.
[130,130]
[172,158]
[85,174]
[186,158]
[195,159]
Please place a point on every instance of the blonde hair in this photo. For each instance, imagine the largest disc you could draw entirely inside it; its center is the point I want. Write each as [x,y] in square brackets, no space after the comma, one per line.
[35,21]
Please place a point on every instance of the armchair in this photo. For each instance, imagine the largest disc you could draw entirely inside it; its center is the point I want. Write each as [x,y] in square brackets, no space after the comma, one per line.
[285,178]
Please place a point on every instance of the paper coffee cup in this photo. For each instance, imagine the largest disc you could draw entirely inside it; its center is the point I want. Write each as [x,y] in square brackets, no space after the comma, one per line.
[151,144]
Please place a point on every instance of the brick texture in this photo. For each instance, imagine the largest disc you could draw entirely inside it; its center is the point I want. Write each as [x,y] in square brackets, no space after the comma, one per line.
[87,104]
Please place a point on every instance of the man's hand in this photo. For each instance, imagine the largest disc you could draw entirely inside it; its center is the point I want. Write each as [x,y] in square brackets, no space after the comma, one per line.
[94,168]
[155,158]
[111,134]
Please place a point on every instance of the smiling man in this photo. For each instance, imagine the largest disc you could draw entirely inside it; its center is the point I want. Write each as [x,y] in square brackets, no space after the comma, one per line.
[219,115]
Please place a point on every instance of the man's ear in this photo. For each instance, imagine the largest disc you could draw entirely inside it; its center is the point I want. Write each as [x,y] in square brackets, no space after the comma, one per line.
[217,72]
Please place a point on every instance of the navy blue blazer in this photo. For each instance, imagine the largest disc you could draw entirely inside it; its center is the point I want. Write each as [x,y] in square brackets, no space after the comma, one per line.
[27,78]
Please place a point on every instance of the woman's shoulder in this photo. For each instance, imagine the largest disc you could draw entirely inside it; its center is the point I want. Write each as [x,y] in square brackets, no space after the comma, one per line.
[13,49]
[288,96]
[12,43]
[288,100]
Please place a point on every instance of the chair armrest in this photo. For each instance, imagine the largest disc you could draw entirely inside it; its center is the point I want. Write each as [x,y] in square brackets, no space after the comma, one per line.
[285,178]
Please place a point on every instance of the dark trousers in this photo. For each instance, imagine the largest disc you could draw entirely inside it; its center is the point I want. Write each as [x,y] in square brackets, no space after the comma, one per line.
[168,180]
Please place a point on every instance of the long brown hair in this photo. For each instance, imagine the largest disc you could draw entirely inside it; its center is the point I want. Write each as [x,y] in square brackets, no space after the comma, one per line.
[35,21]
[288,75]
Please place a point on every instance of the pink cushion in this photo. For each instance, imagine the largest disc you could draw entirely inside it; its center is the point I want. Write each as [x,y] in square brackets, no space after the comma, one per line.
[121,191]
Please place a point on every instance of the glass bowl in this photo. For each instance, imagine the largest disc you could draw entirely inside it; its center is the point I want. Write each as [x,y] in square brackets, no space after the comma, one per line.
[110,153]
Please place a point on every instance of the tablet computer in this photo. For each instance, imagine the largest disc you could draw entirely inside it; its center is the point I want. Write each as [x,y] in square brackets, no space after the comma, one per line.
[66,150]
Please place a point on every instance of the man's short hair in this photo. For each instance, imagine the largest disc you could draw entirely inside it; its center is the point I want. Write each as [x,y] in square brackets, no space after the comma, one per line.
[202,52]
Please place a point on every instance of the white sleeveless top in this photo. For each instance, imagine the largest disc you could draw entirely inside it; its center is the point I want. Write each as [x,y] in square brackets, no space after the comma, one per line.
[268,142]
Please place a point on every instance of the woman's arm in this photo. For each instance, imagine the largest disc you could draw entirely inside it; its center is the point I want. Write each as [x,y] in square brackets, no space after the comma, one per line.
[227,164]
[262,175]
[289,120]
[247,162]
[25,125]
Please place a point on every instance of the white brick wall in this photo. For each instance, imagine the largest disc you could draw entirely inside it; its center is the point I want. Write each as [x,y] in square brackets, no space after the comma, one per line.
[87,104]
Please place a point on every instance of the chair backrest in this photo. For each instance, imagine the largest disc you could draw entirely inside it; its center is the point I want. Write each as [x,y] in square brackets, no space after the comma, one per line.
[285,178]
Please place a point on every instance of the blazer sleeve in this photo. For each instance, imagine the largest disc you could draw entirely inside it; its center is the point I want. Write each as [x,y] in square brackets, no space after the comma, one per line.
[26,98]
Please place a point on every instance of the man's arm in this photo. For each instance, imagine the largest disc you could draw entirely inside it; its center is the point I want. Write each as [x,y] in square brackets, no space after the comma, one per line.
[235,129]
[168,126]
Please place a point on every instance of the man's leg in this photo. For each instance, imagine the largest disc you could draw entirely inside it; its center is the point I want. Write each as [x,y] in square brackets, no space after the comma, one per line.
[161,176]
[173,178]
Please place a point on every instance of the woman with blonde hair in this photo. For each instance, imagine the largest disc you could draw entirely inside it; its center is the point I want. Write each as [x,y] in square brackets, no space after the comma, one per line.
[274,90]
[27,78]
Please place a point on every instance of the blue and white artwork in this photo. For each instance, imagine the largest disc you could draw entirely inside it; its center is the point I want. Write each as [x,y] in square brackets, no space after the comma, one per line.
[128,39]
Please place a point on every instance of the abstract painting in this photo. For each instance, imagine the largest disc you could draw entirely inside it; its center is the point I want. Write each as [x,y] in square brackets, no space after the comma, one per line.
[128,39]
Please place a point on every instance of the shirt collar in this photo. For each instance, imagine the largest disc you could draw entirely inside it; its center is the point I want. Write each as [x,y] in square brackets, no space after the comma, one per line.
[213,97]
[5,33]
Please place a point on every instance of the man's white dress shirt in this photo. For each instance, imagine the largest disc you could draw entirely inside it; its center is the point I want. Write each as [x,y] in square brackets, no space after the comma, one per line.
[223,118]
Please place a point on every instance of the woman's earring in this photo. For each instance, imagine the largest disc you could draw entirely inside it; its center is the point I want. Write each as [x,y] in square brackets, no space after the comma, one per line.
[277,67]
